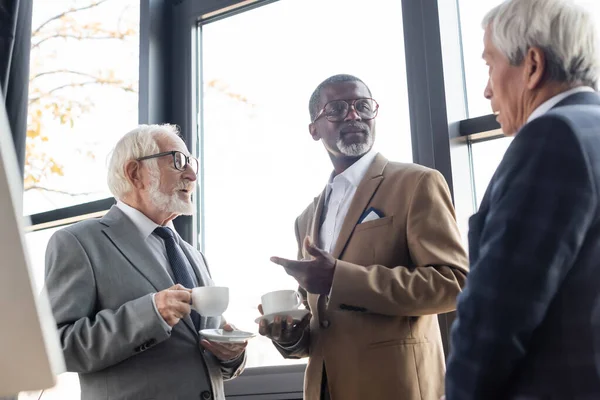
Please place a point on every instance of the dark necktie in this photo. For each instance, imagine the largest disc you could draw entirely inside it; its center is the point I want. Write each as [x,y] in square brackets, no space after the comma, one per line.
[178,263]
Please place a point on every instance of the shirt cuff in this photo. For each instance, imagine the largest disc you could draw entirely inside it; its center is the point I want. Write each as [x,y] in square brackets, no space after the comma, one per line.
[162,320]
[291,346]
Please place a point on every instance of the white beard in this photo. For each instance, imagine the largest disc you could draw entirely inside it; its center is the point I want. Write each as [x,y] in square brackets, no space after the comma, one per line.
[355,149]
[166,203]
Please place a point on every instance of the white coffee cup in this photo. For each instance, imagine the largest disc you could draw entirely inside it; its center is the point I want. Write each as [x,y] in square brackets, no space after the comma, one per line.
[210,301]
[280,301]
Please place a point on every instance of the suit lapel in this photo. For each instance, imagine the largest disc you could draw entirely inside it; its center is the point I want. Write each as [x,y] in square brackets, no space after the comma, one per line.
[364,193]
[201,272]
[317,219]
[124,235]
[121,231]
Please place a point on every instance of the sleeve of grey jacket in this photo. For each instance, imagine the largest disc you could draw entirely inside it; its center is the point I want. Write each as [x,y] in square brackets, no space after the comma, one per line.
[92,340]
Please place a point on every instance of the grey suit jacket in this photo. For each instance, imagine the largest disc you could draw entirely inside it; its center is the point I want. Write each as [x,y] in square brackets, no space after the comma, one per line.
[100,279]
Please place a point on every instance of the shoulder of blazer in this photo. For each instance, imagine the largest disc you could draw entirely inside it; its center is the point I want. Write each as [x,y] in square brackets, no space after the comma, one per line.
[84,228]
[406,170]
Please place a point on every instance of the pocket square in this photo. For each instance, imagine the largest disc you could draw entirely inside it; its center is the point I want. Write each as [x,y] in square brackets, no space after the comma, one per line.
[370,215]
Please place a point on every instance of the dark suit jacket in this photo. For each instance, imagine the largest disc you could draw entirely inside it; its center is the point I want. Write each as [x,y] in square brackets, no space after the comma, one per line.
[528,323]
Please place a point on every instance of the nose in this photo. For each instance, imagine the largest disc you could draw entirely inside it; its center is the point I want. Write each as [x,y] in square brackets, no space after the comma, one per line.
[352,114]
[189,173]
[487,92]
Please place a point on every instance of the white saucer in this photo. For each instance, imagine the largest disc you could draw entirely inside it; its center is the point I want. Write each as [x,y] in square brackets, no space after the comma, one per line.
[223,336]
[297,314]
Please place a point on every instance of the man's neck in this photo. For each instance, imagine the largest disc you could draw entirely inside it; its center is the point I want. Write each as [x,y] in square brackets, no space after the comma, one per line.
[545,93]
[158,217]
[340,164]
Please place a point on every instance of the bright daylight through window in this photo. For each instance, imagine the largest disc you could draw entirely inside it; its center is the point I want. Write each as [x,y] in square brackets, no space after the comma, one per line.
[81,100]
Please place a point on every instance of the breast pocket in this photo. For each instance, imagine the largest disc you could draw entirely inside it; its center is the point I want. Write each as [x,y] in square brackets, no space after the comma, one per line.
[374,224]
[371,242]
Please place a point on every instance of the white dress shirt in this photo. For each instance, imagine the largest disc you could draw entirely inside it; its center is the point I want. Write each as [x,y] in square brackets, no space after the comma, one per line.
[156,245]
[338,197]
[552,101]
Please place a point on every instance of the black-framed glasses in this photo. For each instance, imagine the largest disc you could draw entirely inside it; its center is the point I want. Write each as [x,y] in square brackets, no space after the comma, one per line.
[180,160]
[337,110]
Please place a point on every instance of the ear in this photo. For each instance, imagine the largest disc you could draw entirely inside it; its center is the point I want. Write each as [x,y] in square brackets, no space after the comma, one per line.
[133,173]
[313,131]
[535,67]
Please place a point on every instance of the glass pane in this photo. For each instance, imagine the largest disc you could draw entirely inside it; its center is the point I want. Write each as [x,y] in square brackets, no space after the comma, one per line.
[82,97]
[476,74]
[486,158]
[67,386]
[261,166]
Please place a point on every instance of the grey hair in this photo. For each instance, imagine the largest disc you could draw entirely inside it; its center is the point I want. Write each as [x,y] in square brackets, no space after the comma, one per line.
[313,103]
[564,31]
[140,142]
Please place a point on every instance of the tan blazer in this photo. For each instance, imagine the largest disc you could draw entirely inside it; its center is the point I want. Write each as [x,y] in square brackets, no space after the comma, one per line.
[378,333]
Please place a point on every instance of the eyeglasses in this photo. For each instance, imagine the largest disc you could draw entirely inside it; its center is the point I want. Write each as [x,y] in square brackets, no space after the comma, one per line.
[337,110]
[180,160]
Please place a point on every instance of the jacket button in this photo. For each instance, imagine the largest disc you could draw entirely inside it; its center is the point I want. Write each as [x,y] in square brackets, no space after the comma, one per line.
[325,324]
[206,395]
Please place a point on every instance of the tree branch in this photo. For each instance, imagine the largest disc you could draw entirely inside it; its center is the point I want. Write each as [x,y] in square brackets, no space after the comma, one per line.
[69,11]
[78,84]
[120,36]
[63,71]
[45,189]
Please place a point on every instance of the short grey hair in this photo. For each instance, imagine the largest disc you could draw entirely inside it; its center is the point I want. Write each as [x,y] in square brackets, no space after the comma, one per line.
[140,142]
[564,31]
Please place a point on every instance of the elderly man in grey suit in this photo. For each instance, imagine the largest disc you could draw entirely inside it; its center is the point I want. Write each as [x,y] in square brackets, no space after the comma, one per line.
[528,321]
[119,285]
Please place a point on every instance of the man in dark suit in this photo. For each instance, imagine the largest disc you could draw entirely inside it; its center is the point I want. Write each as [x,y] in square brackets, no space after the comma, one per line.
[528,319]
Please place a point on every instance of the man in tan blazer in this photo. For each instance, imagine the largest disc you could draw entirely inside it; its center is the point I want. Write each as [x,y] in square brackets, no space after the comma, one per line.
[380,255]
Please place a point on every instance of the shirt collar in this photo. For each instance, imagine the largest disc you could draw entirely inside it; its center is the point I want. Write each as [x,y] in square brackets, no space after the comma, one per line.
[357,171]
[551,102]
[144,224]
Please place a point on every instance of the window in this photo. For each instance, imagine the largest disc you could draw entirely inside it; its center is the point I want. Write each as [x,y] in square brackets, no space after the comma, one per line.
[476,74]
[82,97]
[261,168]
[486,158]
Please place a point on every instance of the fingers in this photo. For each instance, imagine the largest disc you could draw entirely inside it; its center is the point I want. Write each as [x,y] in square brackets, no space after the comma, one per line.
[260,309]
[181,295]
[311,248]
[228,328]
[263,327]
[284,262]
[224,351]
[180,287]
[283,330]
[173,304]
[276,328]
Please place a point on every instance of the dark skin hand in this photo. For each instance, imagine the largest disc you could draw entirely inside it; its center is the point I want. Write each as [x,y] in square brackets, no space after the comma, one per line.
[315,275]
[283,330]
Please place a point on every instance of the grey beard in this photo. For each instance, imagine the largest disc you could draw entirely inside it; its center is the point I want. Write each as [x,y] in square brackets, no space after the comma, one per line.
[355,149]
[164,202]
